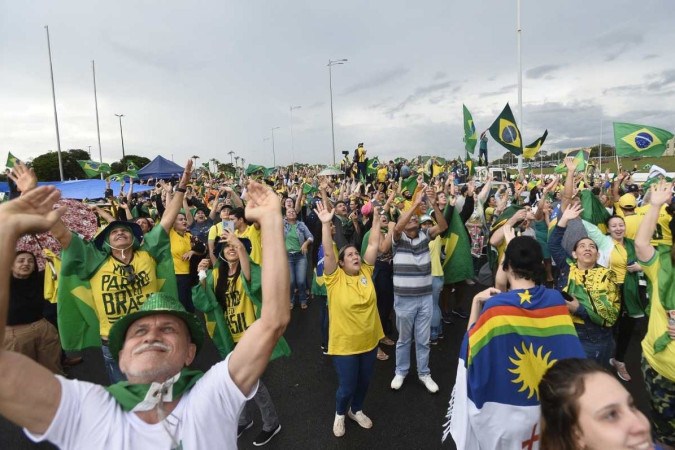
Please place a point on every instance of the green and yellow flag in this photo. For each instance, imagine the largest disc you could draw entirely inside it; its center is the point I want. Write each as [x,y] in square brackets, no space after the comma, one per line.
[470,138]
[531,150]
[255,169]
[640,140]
[92,168]
[78,305]
[11,160]
[458,263]
[409,184]
[373,164]
[469,165]
[505,131]
[581,159]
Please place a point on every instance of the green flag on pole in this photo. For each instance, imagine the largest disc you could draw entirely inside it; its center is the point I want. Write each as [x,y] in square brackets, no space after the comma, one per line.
[532,150]
[505,131]
[581,160]
[640,140]
[458,263]
[470,138]
[93,168]
[409,184]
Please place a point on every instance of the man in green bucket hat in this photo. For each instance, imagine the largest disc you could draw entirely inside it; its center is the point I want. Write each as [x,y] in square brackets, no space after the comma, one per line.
[163,404]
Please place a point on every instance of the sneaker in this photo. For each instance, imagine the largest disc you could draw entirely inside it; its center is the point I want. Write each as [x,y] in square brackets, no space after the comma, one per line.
[433,341]
[339,425]
[428,383]
[265,436]
[324,349]
[397,382]
[360,418]
[620,368]
[242,428]
[459,313]
[441,336]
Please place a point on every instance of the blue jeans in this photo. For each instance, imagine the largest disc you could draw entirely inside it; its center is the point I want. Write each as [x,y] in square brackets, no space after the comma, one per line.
[115,375]
[268,412]
[354,373]
[436,288]
[297,265]
[596,341]
[413,315]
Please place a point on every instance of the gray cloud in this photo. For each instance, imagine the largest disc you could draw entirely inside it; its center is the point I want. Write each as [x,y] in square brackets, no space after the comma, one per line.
[420,93]
[662,80]
[661,84]
[500,91]
[650,56]
[378,80]
[541,71]
[618,42]
[440,75]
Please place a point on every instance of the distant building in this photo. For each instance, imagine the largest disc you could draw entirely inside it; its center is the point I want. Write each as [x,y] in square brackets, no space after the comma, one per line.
[670,148]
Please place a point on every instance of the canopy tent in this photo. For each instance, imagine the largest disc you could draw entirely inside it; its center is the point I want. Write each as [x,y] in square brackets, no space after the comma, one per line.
[80,189]
[160,167]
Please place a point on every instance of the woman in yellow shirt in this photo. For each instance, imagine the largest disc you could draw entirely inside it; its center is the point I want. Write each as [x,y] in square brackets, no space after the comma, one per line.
[354,327]
[181,251]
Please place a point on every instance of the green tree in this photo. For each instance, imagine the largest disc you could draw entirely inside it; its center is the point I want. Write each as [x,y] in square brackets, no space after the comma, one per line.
[121,166]
[46,166]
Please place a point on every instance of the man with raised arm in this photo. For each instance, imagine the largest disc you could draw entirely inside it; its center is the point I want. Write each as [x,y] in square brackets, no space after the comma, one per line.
[164,404]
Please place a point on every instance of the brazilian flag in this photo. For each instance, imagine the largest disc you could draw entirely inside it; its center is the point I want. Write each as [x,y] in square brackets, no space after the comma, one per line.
[308,189]
[581,160]
[531,150]
[505,131]
[92,168]
[640,140]
[11,160]
[373,165]
[470,138]
[255,169]
[469,165]
[409,184]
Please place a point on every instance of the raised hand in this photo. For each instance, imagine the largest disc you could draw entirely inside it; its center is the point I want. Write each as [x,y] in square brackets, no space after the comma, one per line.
[187,174]
[660,193]
[24,178]
[263,204]
[570,163]
[571,212]
[323,214]
[33,212]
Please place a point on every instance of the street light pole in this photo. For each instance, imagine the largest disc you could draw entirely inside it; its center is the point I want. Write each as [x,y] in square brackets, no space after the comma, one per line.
[121,135]
[56,117]
[292,146]
[332,63]
[274,156]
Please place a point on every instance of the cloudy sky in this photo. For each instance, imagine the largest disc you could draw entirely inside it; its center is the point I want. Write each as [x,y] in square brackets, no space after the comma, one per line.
[212,77]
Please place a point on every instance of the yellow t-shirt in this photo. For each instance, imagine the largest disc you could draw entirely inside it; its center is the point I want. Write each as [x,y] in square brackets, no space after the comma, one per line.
[215,231]
[662,234]
[618,260]
[119,290]
[179,246]
[253,234]
[382,174]
[435,254]
[239,310]
[352,310]
[664,361]
[361,154]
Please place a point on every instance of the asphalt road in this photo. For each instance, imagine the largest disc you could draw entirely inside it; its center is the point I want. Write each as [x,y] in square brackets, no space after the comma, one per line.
[303,389]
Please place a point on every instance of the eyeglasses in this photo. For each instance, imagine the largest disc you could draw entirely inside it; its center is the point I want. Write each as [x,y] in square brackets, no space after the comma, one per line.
[129,273]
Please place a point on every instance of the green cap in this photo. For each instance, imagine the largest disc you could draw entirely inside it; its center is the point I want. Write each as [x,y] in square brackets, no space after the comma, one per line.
[157,303]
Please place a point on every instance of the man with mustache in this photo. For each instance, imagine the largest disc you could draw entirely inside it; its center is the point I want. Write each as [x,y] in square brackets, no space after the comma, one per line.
[164,404]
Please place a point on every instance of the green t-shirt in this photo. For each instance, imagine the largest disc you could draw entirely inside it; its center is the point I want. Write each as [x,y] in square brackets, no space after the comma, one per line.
[292,242]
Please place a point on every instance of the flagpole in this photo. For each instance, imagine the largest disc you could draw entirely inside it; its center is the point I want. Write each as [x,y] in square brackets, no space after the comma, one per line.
[600,164]
[56,117]
[98,128]
[520,86]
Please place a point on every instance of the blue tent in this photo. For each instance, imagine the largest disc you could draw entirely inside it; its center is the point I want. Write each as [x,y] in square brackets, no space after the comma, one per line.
[160,167]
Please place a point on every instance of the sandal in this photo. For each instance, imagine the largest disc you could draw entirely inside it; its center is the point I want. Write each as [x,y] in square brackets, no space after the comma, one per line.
[303,306]
[382,356]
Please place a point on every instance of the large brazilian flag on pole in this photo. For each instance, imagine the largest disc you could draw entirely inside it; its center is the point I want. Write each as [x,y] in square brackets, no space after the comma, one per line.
[505,131]
[640,140]
[470,138]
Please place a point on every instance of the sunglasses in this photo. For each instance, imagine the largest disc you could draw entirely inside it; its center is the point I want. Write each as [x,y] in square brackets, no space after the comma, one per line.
[129,273]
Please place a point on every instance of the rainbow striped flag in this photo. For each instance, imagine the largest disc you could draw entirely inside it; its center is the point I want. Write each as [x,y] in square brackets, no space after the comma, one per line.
[518,336]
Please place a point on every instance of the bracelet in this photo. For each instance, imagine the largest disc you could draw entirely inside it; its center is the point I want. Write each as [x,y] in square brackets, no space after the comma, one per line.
[180,189]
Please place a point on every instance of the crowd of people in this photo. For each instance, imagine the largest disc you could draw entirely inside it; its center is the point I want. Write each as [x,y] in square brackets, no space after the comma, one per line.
[390,252]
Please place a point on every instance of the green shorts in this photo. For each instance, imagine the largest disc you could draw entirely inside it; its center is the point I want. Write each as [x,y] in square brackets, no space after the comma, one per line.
[662,396]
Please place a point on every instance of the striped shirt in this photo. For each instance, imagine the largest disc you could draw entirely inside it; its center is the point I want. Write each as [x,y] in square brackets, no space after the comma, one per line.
[412,266]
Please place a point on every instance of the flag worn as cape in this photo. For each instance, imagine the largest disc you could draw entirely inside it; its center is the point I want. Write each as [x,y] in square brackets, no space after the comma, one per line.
[505,131]
[77,319]
[594,212]
[458,262]
[204,298]
[470,138]
[518,336]
[532,150]
[640,140]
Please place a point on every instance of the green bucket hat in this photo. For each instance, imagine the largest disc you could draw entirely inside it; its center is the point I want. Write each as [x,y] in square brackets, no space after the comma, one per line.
[157,303]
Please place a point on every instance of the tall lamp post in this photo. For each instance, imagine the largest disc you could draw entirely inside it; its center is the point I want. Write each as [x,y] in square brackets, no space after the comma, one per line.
[292,146]
[122,135]
[332,63]
[274,155]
